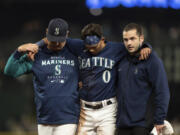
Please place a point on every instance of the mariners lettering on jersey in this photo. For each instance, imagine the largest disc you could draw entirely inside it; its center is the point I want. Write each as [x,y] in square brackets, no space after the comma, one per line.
[55,62]
[59,66]
[96,61]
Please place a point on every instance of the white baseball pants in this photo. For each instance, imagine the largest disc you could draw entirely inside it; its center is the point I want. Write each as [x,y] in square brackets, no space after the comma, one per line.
[98,121]
[66,129]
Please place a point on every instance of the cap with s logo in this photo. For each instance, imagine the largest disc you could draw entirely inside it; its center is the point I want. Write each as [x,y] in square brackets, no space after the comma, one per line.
[57,30]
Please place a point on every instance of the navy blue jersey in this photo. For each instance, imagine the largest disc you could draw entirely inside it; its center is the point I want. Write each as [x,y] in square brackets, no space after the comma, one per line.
[55,83]
[98,72]
[136,82]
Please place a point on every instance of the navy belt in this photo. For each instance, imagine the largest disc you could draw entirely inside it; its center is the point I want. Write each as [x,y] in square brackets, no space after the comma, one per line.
[98,106]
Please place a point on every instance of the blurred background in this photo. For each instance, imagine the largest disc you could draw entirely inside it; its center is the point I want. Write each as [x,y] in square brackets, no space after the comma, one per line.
[24,21]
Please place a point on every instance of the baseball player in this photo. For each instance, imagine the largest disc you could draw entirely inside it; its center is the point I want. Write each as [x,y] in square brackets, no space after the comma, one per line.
[137,80]
[98,59]
[55,71]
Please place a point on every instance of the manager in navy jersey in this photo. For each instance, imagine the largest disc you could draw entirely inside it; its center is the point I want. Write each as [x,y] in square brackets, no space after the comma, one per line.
[98,60]
[137,80]
[55,71]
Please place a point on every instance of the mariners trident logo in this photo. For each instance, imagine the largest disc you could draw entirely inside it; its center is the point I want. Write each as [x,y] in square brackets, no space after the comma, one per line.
[56,31]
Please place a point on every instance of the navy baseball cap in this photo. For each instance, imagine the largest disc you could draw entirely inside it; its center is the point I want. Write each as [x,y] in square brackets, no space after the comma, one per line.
[57,30]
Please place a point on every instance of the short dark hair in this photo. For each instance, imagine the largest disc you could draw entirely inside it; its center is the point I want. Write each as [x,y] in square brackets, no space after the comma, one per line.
[135,26]
[91,29]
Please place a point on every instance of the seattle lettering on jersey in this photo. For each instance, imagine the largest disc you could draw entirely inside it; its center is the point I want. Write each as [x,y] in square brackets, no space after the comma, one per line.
[96,61]
[57,62]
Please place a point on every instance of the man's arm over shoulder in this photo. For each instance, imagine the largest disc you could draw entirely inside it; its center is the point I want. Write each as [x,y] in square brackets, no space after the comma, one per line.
[119,45]
[146,45]
[17,64]
[159,82]
[41,42]
[118,48]
[145,51]
[76,46]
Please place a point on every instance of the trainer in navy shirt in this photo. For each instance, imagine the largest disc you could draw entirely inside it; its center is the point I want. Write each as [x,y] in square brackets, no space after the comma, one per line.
[137,80]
